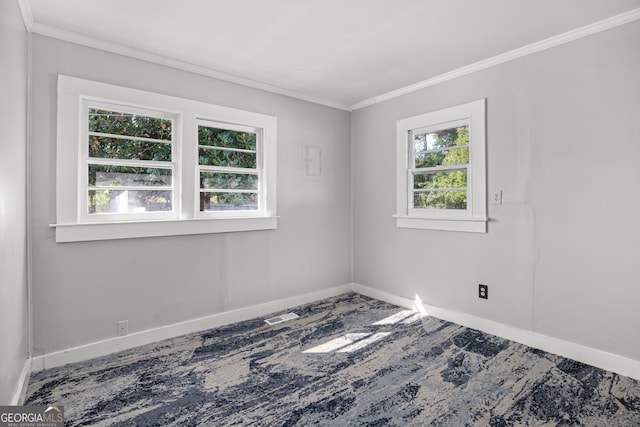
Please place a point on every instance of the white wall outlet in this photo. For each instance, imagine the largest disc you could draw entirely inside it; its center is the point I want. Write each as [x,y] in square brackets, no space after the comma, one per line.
[123,327]
[496,197]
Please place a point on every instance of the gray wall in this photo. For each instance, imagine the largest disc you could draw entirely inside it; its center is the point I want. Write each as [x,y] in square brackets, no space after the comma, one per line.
[13,142]
[80,290]
[561,255]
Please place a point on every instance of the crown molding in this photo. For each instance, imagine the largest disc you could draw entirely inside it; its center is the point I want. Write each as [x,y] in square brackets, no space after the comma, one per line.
[81,39]
[578,33]
[27,15]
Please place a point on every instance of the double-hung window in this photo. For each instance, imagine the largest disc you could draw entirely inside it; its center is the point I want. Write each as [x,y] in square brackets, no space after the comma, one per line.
[441,170]
[439,167]
[230,168]
[132,163]
[130,168]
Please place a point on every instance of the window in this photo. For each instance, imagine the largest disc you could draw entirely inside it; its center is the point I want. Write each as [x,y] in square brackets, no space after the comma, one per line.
[441,183]
[229,167]
[132,163]
[129,162]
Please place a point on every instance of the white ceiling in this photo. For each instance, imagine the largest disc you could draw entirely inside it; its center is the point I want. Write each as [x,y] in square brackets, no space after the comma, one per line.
[337,52]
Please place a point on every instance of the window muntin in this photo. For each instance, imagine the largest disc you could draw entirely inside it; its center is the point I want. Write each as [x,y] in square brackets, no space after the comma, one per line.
[128,170]
[441,178]
[230,167]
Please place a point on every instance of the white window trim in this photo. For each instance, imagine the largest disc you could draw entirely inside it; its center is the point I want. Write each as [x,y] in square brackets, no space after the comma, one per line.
[474,218]
[71,227]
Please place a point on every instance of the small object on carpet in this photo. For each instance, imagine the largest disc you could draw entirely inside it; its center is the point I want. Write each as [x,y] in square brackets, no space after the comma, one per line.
[281,318]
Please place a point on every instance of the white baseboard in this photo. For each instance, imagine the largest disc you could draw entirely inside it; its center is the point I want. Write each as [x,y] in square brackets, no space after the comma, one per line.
[112,345]
[591,356]
[23,382]
[601,359]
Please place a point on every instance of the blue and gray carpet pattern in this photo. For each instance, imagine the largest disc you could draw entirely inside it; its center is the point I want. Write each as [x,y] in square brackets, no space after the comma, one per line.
[346,361]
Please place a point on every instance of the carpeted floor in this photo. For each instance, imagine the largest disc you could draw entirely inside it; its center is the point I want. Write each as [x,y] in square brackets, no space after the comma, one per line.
[346,361]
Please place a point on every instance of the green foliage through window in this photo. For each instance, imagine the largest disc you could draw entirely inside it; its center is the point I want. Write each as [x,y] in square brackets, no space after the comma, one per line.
[127,149]
[225,158]
[127,124]
[217,137]
[227,148]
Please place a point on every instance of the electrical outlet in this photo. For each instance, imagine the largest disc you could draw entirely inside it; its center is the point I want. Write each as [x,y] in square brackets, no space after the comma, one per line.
[496,197]
[123,327]
[483,291]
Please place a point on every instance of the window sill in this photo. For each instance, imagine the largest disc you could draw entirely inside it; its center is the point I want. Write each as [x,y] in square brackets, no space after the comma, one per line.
[470,225]
[137,229]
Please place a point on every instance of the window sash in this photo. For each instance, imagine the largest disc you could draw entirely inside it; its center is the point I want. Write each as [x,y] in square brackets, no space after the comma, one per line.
[257,171]
[413,171]
[88,104]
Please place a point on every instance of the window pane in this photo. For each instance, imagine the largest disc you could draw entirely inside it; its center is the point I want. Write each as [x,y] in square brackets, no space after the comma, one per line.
[455,156]
[116,148]
[450,179]
[426,160]
[129,201]
[124,176]
[228,181]
[228,201]
[226,138]
[234,159]
[121,123]
[440,200]
[441,139]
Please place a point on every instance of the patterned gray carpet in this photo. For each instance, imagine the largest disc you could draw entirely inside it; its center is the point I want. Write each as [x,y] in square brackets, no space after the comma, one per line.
[346,361]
